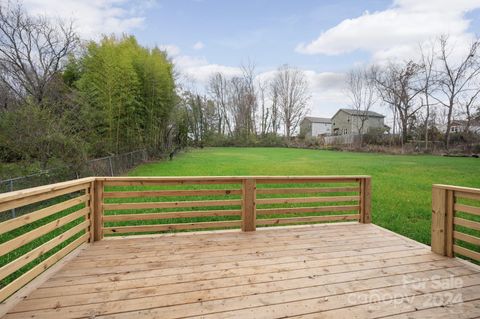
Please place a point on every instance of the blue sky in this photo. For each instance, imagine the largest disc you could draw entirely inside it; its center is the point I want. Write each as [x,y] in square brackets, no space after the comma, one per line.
[264,31]
[324,38]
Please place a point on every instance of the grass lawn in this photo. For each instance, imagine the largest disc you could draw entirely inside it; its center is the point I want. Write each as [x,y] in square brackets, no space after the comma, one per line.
[401,184]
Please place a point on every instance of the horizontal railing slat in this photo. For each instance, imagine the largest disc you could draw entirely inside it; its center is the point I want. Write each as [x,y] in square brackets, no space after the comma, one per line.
[466,238]
[459,189]
[29,192]
[166,227]
[40,231]
[467,195]
[467,209]
[466,223]
[42,213]
[296,210]
[309,219]
[205,203]
[40,250]
[160,193]
[307,190]
[307,179]
[297,200]
[27,200]
[466,252]
[170,215]
[41,267]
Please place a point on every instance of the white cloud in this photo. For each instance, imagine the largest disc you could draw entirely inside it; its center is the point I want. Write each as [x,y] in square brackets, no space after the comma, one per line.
[171,49]
[199,70]
[198,45]
[94,18]
[395,32]
[327,90]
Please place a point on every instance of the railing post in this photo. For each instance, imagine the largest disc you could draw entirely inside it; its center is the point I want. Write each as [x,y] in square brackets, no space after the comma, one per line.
[91,204]
[249,215]
[442,221]
[365,200]
[98,211]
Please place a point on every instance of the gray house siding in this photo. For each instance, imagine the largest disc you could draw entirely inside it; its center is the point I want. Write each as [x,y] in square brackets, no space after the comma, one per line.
[315,126]
[346,122]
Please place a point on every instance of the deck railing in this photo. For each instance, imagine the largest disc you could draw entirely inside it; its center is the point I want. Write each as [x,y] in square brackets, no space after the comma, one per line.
[246,202]
[63,216]
[456,221]
[60,221]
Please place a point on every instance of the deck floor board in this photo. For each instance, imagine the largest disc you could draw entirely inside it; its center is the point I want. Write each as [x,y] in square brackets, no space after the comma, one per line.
[324,271]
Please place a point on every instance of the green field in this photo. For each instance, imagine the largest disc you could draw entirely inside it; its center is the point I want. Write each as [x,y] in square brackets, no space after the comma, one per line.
[401,184]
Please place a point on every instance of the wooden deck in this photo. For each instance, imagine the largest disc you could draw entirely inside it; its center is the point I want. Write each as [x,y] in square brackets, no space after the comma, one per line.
[344,270]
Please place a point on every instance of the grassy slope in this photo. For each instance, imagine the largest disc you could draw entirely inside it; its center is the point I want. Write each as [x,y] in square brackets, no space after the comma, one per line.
[401,184]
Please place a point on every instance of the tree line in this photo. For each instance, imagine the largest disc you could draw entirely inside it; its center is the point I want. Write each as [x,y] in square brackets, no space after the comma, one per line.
[247,109]
[423,94]
[63,99]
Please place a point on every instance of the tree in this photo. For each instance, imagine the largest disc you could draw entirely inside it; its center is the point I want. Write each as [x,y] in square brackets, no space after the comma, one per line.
[219,90]
[362,92]
[32,51]
[275,117]
[427,64]
[456,76]
[128,96]
[264,111]
[292,88]
[399,86]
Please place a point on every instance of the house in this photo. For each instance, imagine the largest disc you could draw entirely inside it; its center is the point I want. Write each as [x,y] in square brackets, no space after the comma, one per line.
[315,126]
[347,121]
[460,126]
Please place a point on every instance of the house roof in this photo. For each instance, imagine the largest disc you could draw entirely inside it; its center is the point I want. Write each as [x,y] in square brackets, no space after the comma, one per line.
[360,113]
[314,119]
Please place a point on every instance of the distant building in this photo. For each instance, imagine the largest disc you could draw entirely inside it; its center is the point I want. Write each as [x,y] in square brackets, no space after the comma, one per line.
[346,122]
[460,126]
[315,126]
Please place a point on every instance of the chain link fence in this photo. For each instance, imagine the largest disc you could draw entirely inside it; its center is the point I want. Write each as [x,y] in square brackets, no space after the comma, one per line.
[105,166]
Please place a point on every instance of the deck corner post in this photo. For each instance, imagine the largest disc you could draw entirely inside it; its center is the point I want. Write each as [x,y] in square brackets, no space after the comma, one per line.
[98,211]
[248,204]
[439,220]
[365,200]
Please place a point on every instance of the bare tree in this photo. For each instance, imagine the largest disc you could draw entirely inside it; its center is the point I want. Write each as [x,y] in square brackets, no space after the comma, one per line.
[250,96]
[264,110]
[292,88]
[455,79]
[399,86]
[274,118]
[427,59]
[219,90]
[362,92]
[32,50]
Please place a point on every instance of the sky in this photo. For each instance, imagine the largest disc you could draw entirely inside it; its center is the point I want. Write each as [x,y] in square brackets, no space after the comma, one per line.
[324,38]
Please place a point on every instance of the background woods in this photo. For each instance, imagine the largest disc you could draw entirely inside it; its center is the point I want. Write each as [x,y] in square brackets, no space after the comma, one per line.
[64,100]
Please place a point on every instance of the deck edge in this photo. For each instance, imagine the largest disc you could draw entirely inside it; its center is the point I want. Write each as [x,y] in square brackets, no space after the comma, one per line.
[23,292]
[463,261]
[219,231]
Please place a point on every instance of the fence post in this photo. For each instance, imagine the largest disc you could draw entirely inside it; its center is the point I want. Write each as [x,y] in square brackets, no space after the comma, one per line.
[111,166]
[365,200]
[249,215]
[98,211]
[442,221]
